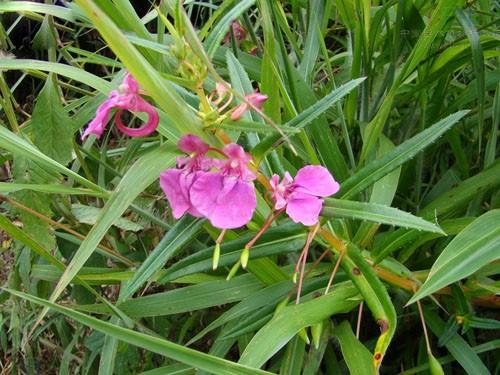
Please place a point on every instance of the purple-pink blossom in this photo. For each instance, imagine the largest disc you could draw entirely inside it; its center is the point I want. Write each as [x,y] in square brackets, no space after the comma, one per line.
[256,99]
[176,182]
[125,98]
[220,190]
[302,196]
[226,197]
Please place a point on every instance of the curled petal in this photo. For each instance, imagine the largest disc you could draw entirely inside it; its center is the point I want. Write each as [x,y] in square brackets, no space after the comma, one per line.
[238,111]
[304,208]
[316,180]
[98,124]
[190,143]
[228,202]
[149,127]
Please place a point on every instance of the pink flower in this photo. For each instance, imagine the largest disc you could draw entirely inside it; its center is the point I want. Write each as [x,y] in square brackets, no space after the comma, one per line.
[227,197]
[177,182]
[238,31]
[256,99]
[302,196]
[126,98]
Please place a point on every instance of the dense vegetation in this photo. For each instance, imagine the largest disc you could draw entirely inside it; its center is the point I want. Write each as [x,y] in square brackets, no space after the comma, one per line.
[398,99]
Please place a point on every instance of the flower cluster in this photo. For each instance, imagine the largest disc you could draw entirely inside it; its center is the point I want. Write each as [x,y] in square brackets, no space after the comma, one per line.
[125,98]
[220,190]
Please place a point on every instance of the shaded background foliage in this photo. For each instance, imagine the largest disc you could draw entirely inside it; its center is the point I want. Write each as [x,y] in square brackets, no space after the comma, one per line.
[388,140]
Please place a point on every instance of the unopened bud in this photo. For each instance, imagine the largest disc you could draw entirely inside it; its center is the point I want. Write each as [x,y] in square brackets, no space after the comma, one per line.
[216,256]
[245,254]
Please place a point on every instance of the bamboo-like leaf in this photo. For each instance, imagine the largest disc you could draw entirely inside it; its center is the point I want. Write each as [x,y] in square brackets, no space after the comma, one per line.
[144,172]
[378,213]
[218,32]
[158,88]
[357,357]
[19,146]
[287,323]
[474,247]
[154,344]
[378,168]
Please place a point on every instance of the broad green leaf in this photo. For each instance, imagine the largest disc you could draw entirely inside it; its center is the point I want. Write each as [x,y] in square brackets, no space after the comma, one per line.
[51,125]
[379,168]
[378,213]
[474,247]
[19,146]
[89,214]
[154,344]
[289,321]
[357,357]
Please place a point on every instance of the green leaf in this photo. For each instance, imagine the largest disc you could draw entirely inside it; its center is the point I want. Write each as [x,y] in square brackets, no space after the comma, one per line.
[177,237]
[378,213]
[7,187]
[471,249]
[458,197]
[89,214]
[61,69]
[190,298]
[357,357]
[30,6]
[289,321]
[214,38]
[154,344]
[456,345]
[181,115]
[142,173]
[51,125]
[322,105]
[19,146]
[379,168]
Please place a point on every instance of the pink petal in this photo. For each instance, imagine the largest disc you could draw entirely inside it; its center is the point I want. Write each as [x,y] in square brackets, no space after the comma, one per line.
[227,202]
[238,111]
[316,180]
[304,208]
[170,182]
[140,105]
[98,124]
[274,181]
[257,99]
[129,84]
[235,151]
[190,143]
